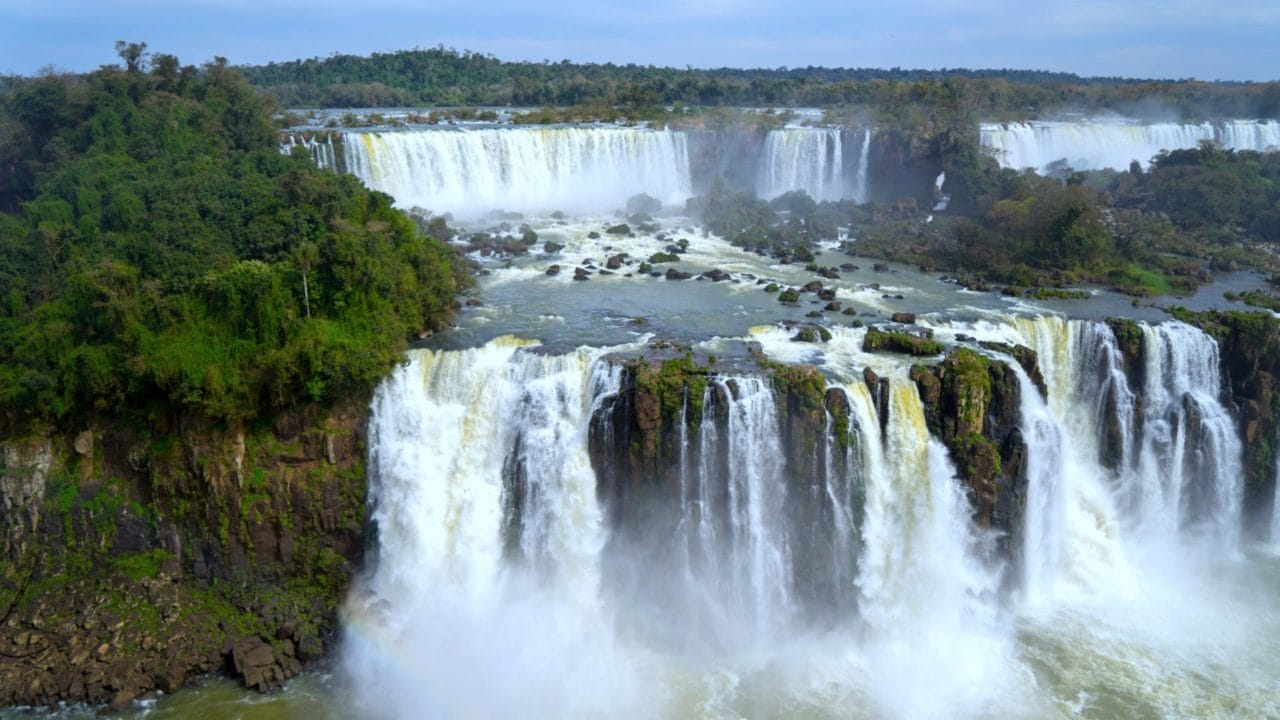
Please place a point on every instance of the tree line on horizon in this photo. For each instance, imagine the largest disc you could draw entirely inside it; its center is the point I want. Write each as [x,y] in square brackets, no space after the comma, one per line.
[446,77]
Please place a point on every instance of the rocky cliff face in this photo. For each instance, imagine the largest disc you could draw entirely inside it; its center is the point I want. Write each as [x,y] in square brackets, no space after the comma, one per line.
[137,557]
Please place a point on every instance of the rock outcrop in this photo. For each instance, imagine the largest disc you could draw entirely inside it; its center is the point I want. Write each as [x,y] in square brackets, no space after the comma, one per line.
[139,557]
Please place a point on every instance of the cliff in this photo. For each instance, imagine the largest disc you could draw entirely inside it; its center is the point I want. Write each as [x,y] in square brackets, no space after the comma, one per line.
[139,557]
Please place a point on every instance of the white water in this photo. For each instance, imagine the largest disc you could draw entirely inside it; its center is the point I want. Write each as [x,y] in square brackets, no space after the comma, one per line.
[1188,476]
[1275,508]
[472,171]
[324,153]
[1098,144]
[460,617]
[455,621]
[812,159]
[934,648]
[862,186]
[701,593]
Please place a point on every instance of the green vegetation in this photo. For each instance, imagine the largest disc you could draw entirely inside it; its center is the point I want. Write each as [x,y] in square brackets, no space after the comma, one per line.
[894,341]
[1256,298]
[160,253]
[1142,232]
[675,383]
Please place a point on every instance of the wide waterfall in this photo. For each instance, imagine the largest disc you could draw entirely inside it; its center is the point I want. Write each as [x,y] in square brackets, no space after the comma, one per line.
[471,171]
[498,541]
[534,559]
[1099,144]
[812,159]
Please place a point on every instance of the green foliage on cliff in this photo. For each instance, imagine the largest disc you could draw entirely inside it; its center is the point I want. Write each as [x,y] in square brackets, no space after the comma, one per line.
[161,253]
[894,341]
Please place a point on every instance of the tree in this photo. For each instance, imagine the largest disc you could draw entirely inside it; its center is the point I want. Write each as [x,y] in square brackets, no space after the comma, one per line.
[305,255]
[132,53]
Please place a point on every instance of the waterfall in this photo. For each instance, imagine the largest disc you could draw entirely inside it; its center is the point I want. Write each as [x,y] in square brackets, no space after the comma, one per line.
[470,171]
[862,191]
[489,534]
[811,159]
[1098,144]
[928,600]
[1275,508]
[1188,476]
[323,153]
[1128,458]
[541,551]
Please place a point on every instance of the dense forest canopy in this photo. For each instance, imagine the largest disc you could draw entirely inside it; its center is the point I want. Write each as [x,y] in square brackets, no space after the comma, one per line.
[446,77]
[158,252]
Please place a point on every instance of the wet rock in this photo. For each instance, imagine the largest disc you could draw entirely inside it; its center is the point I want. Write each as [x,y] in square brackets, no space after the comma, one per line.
[615,261]
[833,306]
[716,275]
[553,270]
[827,294]
[674,274]
[812,286]
[903,317]
[880,267]
[581,274]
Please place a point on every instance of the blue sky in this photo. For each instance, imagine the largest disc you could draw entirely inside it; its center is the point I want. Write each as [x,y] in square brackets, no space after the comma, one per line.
[1142,38]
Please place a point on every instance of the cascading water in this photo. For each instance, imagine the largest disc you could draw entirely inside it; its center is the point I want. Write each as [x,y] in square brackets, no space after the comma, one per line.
[862,190]
[475,170]
[1275,509]
[926,597]
[751,569]
[1188,476]
[499,575]
[323,153]
[811,159]
[1099,144]
[489,537]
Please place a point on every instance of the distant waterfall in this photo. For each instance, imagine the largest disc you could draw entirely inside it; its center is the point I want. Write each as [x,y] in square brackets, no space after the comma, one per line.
[323,152]
[1098,144]
[862,191]
[813,160]
[471,171]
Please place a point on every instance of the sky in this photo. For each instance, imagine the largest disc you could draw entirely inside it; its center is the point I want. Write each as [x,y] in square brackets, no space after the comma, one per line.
[1239,40]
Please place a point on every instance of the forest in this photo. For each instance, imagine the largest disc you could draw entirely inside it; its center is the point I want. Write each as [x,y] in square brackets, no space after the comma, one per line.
[447,77]
[158,253]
